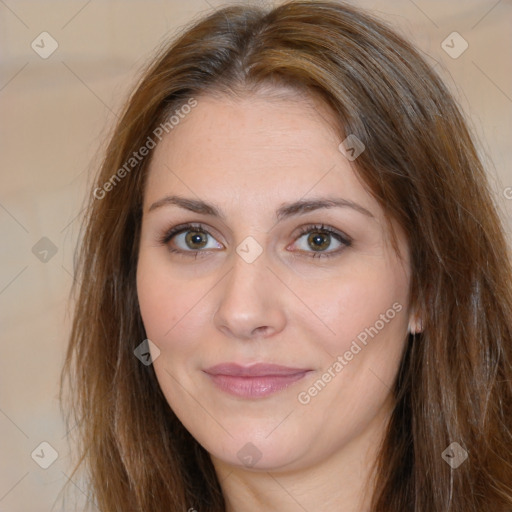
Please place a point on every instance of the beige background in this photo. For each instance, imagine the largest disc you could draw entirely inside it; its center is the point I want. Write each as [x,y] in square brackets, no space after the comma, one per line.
[55,114]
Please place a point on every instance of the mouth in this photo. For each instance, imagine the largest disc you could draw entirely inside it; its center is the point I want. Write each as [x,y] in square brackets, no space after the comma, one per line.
[256,381]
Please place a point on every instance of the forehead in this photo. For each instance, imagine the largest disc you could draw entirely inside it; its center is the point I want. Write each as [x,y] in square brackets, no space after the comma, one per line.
[251,155]
[255,146]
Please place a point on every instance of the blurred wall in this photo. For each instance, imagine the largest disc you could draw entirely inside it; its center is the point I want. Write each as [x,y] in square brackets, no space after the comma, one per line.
[60,93]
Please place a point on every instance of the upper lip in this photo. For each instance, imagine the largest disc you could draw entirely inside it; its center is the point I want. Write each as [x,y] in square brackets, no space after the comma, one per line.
[255,370]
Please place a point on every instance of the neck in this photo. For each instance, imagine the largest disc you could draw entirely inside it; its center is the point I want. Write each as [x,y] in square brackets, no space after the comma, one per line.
[343,481]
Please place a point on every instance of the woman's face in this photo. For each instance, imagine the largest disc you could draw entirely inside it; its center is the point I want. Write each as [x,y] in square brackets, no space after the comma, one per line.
[280,322]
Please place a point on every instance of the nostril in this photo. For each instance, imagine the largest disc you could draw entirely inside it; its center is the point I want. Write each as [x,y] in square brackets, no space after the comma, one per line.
[261,330]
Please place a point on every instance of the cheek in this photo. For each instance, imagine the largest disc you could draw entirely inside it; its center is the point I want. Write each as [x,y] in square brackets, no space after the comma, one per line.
[172,312]
[366,312]
[369,305]
[169,306]
[157,309]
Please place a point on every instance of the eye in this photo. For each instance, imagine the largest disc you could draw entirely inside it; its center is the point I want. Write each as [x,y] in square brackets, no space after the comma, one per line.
[321,238]
[190,238]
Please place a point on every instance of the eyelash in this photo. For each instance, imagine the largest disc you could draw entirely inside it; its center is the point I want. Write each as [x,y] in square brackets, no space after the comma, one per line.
[167,236]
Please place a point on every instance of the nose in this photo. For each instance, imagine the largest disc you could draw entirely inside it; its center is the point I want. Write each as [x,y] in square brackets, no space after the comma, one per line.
[250,301]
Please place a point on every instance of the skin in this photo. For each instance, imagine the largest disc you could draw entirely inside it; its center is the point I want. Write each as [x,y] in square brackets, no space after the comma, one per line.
[249,156]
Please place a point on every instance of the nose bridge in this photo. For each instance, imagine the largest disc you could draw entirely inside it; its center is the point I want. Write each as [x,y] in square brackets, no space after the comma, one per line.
[248,275]
[245,304]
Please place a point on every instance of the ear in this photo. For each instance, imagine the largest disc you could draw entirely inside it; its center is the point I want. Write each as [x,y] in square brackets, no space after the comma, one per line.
[415,324]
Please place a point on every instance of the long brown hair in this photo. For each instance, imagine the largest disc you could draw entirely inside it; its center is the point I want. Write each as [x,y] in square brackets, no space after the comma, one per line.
[455,381]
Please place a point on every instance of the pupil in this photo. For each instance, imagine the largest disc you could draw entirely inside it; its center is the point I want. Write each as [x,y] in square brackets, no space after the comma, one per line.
[194,238]
[317,241]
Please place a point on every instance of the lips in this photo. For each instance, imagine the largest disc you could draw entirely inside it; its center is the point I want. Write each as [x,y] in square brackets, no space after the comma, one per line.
[256,381]
[256,370]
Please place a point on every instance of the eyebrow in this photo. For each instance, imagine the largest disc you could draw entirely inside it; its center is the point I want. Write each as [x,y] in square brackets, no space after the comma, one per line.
[287,210]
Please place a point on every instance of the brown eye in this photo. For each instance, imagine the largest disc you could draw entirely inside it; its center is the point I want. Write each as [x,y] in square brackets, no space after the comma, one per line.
[320,239]
[196,239]
[189,239]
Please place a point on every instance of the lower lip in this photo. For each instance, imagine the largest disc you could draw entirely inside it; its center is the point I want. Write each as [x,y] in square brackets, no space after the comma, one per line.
[255,387]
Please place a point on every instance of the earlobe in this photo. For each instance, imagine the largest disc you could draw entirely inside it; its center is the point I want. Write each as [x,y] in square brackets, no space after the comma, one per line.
[416,325]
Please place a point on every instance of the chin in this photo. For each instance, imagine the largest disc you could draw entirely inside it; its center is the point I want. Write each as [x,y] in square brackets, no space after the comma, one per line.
[257,451]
